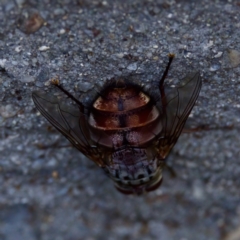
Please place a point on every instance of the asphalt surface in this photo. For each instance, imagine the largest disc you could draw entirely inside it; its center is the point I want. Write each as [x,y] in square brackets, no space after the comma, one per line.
[49,191]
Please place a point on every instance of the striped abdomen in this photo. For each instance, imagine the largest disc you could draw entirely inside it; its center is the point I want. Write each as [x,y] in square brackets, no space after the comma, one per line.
[126,115]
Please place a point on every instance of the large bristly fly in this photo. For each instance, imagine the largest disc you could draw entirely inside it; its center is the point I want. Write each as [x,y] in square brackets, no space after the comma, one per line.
[126,131]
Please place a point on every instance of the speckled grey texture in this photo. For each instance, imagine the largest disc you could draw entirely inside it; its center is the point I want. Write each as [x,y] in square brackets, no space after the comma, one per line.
[56,193]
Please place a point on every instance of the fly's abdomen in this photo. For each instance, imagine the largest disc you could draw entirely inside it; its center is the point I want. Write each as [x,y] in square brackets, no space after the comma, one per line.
[127,110]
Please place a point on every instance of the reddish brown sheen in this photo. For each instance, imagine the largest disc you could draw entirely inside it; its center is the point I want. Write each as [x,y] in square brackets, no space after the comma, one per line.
[124,108]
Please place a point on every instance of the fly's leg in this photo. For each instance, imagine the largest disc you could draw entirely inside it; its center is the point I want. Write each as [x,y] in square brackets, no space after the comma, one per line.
[161,82]
[56,83]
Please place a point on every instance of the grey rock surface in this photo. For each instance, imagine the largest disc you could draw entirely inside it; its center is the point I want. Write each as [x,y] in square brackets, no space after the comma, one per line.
[58,194]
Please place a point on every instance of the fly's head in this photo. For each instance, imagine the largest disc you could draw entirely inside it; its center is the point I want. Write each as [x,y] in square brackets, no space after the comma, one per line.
[134,170]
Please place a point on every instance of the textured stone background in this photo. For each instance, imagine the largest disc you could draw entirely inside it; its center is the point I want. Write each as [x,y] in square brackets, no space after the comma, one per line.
[56,193]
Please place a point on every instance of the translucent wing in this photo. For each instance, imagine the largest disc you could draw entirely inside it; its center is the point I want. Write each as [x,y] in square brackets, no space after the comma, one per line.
[179,103]
[69,121]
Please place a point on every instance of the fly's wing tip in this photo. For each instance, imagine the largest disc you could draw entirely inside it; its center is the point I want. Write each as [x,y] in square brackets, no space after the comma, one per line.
[191,78]
[38,94]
